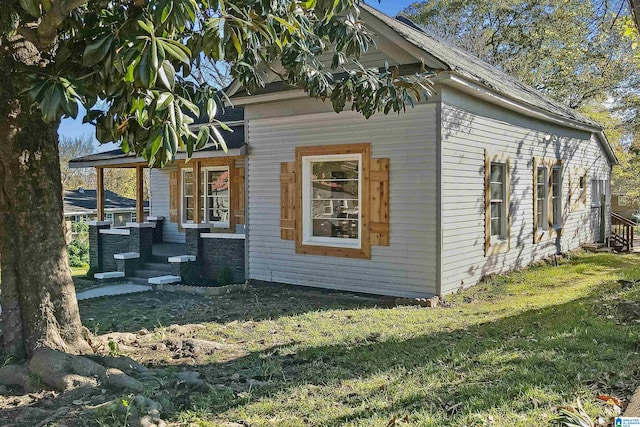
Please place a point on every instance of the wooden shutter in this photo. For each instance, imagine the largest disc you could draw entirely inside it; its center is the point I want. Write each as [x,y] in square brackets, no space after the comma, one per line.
[238,195]
[288,201]
[174,196]
[379,202]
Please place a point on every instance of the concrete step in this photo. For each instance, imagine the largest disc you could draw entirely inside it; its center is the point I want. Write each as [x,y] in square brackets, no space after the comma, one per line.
[157,266]
[149,273]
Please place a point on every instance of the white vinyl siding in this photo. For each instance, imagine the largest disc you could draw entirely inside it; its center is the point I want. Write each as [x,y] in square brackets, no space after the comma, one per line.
[405,268]
[468,128]
[159,202]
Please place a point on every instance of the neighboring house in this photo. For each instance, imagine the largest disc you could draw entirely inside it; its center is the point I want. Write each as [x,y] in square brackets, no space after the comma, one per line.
[623,205]
[81,206]
[485,177]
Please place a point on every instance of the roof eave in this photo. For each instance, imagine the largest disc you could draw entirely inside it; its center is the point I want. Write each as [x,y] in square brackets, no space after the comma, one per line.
[129,161]
[457,81]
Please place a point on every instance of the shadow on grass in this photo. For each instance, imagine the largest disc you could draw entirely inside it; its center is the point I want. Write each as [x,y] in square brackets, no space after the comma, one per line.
[516,364]
[149,310]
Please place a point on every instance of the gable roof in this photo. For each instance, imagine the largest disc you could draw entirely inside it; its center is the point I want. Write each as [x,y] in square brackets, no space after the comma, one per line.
[463,70]
[81,200]
[475,69]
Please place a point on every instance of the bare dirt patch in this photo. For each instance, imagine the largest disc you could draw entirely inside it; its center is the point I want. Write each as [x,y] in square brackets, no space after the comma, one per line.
[173,337]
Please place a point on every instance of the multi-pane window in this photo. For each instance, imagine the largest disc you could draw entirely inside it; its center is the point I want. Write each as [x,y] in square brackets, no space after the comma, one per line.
[134,217]
[332,199]
[214,195]
[217,195]
[542,194]
[108,216]
[556,194]
[598,191]
[497,190]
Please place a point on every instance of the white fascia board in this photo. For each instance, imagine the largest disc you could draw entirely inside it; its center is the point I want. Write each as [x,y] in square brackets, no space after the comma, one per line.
[108,162]
[270,97]
[480,91]
[139,160]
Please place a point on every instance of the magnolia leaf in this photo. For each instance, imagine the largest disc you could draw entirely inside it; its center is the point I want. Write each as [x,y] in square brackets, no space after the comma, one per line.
[203,137]
[147,26]
[223,125]
[212,108]
[220,142]
[31,6]
[97,50]
[164,100]
[167,75]
[176,50]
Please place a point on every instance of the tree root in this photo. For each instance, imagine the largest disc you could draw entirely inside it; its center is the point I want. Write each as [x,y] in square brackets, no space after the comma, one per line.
[62,372]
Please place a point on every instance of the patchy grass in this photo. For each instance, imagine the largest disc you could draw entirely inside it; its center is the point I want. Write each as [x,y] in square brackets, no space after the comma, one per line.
[80,279]
[504,353]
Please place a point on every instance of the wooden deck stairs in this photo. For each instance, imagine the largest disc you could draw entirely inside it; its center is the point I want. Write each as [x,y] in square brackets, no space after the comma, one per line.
[622,233]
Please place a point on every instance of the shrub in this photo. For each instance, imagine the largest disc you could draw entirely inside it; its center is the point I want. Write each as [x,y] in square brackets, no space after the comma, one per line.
[78,249]
[224,276]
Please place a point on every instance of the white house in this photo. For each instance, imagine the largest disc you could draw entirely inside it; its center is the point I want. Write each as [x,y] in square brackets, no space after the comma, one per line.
[487,176]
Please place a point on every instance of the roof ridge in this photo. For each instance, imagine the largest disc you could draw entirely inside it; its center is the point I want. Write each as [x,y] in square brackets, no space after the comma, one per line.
[545,102]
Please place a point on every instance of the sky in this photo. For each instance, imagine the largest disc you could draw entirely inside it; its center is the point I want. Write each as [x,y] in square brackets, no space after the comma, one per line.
[70,128]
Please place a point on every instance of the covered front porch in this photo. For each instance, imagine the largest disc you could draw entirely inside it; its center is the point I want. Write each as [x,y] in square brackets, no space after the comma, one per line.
[195,228]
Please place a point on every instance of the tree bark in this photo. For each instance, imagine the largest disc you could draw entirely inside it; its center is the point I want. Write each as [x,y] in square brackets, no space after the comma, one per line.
[39,307]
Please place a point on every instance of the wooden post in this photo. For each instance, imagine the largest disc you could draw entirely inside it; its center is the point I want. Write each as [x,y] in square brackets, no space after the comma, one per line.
[196,192]
[100,193]
[139,194]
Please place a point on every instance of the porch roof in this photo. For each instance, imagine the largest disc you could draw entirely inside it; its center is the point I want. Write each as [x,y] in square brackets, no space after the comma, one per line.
[233,117]
[83,200]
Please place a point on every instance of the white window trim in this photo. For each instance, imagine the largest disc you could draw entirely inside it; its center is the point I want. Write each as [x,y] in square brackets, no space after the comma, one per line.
[602,186]
[307,221]
[557,222]
[502,238]
[545,211]
[183,212]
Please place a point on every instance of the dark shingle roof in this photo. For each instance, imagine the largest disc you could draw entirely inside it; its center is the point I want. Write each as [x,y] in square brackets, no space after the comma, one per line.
[461,62]
[477,70]
[234,139]
[85,200]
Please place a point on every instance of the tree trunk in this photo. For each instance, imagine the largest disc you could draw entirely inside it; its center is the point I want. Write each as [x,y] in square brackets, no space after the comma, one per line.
[39,307]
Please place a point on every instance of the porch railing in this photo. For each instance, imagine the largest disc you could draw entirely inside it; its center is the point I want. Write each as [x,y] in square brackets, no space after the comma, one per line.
[622,232]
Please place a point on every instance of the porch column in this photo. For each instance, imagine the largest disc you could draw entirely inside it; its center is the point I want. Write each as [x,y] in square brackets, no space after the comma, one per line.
[100,193]
[197,167]
[139,194]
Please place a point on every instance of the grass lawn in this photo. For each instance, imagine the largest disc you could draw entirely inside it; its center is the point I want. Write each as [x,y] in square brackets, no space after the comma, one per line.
[504,353]
[80,279]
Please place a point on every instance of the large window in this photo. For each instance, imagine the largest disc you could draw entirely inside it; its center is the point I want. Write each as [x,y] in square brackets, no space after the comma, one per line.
[498,185]
[542,194]
[556,190]
[331,200]
[214,195]
[497,221]
[598,192]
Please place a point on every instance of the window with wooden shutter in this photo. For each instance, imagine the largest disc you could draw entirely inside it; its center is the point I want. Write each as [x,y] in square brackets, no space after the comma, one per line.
[497,203]
[335,201]
[237,195]
[288,201]
[379,207]
[174,197]
[547,198]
